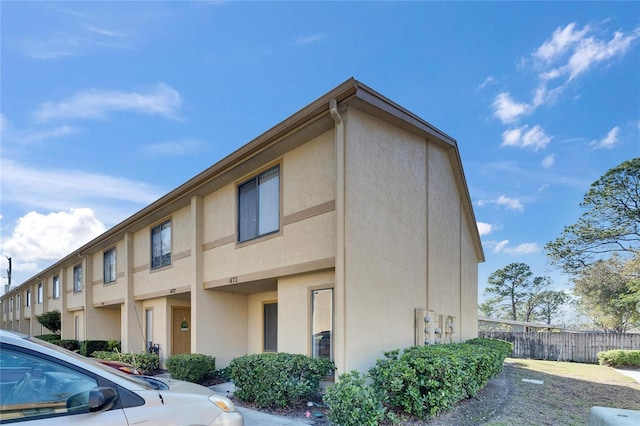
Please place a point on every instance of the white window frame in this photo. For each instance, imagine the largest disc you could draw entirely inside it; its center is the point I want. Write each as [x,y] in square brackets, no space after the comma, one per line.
[28,299]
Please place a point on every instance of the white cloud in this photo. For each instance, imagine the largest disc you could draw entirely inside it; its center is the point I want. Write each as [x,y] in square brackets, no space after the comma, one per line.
[548,161]
[183,147]
[93,104]
[572,52]
[520,249]
[487,81]
[608,141]
[29,136]
[568,53]
[511,203]
[39,237]
[508,110]
[503,200]
[560,42]
[53,189]
[524,137]
[484,228]
[310,39]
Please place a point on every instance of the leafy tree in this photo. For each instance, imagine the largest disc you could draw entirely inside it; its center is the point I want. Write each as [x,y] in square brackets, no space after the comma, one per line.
[515,290]
[489,309]
[610,223]
[549,304]
[51,320]
[528,308]
[603,290]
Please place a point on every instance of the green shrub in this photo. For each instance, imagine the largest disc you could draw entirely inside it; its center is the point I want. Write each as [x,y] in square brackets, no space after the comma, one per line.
[114,346]
[71,344]
[352,402]
[145,362]
[191,367]
[90,346]
[426,380]
[48,337]
[619,358]
[278,379]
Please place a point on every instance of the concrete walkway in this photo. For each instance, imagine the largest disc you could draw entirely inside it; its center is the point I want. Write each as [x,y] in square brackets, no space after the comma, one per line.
[258,418]
[633,373]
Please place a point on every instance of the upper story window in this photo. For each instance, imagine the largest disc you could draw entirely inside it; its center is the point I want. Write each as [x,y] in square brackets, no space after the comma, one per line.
[77,278]
[259,205]
[161,245]
[109,258]
[28,301]
[18,302]
[56,287]
[11,304]
[40,296]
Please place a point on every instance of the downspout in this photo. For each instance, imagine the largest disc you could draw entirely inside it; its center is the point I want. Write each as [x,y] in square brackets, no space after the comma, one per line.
[340,274]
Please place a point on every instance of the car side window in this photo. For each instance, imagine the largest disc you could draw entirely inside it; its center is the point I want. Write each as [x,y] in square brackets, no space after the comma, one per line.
[31,386]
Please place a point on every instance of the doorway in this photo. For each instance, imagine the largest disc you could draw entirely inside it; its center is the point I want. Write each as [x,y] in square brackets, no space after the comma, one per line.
[181,336]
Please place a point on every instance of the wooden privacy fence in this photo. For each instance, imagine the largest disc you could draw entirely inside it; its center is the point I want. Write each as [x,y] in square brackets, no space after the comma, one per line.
[576,347]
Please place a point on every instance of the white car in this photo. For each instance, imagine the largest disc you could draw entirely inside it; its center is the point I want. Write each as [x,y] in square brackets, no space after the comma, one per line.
[43,384]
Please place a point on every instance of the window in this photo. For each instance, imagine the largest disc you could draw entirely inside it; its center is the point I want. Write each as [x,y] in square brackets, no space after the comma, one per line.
[161,245]
[322,323]
[259,205]
[56,287]
[270,327]
[109,258]
[77,278]
[148,313]
[18,302]
[28,299]
[39,387]
[11,304]
[40,294]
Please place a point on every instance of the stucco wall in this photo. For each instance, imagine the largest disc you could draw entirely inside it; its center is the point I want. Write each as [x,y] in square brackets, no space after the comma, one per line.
[149,283]
[306,227]
[385,238]
[294,309]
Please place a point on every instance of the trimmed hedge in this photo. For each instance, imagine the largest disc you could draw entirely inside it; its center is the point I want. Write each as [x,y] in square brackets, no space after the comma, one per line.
[191,367]
[619,358]
[90,346]
[145,362]
[421,380]
[278,379]
[48,337]
[71,344]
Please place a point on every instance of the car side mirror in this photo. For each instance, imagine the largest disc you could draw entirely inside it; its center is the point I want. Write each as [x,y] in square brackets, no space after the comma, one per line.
[102,399]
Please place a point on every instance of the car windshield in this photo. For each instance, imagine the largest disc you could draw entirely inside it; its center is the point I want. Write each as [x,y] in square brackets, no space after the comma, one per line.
[131,378]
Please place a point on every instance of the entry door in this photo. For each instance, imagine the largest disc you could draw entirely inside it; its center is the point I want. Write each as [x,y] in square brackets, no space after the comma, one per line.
[181,337]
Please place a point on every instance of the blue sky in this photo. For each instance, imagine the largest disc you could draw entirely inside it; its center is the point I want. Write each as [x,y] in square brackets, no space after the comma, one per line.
[106,106]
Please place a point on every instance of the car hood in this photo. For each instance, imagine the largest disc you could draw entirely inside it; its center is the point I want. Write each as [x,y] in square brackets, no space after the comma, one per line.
[180,386]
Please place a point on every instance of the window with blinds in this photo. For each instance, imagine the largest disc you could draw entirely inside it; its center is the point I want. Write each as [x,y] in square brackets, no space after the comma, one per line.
[259,205]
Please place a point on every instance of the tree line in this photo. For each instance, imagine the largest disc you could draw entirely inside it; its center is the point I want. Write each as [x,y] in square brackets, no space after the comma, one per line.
[600,253]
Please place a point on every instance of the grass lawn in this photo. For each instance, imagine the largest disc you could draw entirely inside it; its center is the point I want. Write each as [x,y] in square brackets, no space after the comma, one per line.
[566,394]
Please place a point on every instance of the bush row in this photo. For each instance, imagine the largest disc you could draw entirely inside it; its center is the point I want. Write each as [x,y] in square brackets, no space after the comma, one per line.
[278,379]
[146,362]
[422,381]
[619,358]
[85,348]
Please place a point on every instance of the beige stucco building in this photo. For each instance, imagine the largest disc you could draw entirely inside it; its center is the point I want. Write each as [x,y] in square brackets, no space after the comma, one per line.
[333,234]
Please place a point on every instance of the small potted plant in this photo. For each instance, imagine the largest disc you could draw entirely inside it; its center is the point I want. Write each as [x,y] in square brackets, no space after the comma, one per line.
[184,325]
